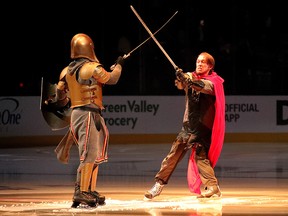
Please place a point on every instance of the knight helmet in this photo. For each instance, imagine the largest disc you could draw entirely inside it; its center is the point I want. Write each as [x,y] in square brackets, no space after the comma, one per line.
[82,46]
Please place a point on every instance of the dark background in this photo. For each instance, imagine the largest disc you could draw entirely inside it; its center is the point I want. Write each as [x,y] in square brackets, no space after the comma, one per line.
[249,43]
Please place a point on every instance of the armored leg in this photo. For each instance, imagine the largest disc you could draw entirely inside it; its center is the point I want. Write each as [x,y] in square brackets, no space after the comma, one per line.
[97,195]
[81,194]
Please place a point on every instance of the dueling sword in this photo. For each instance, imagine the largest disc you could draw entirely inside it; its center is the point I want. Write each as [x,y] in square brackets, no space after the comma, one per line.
[153,37]
[127,55]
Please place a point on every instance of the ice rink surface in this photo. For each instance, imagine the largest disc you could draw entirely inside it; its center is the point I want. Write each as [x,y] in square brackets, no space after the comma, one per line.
[253,179]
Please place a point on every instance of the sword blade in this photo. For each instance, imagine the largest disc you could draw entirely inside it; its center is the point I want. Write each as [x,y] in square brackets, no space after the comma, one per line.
[128,54]
[154,38]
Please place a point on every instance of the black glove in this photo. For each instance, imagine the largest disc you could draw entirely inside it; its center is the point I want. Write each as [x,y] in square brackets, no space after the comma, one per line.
[180,75]
[185,79]
[120,60]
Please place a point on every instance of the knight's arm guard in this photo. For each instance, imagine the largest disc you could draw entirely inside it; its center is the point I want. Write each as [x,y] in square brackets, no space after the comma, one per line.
[58,97]
[116,71]
[62,100]
[114,75]
[100,74]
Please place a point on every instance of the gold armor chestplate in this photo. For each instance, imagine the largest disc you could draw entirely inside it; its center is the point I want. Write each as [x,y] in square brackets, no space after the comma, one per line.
[85,94]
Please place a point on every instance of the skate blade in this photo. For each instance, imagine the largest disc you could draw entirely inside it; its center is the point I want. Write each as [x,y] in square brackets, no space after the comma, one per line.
[86,206]
[101,203]
[207,199]
[146,199]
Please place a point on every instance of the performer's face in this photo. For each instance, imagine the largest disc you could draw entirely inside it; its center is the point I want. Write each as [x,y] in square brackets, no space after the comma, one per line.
[202,66]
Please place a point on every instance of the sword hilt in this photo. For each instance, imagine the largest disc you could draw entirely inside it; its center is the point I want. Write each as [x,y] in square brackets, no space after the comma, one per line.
[124,57]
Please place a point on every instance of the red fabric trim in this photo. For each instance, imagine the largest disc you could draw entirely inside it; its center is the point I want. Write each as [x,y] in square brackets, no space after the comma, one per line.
[217,139]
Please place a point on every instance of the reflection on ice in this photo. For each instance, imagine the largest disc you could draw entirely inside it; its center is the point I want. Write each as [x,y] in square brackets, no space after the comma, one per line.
[176,203]
[181,205]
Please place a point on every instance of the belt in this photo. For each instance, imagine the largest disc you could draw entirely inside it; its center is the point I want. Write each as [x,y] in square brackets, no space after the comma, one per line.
[97,117]
[91,109]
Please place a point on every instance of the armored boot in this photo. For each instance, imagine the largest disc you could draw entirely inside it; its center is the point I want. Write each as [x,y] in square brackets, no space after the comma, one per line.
[100,197]
[81,194]
[92,188]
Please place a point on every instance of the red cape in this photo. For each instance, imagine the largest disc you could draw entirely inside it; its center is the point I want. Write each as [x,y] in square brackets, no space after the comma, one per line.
[217,139]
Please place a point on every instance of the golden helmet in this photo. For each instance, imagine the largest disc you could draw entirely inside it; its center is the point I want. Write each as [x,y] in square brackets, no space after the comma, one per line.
[82,46]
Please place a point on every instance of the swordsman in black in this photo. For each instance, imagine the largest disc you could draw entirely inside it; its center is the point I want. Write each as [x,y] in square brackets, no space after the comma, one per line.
[202,131]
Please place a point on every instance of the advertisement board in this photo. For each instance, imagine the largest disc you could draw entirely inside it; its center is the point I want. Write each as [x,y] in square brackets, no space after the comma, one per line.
[149,115]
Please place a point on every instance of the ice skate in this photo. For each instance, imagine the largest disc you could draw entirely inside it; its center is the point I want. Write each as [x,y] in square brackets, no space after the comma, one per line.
[99,197]
[154,191]
[212,191]
[81,197]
